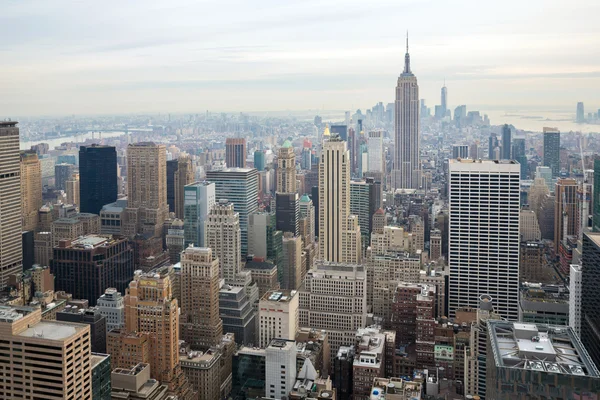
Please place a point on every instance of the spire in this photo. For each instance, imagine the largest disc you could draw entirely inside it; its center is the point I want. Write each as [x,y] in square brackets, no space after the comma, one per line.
[406,58]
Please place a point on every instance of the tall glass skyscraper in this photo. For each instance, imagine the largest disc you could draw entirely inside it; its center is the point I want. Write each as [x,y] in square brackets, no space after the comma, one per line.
[552,150]
[506,143]
[239,186]
[199,198]
[97,177]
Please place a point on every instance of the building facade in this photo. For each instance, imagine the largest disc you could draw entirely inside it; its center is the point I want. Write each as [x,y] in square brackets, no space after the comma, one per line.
[97,177]
[31,190]
[199,199]
[235,153]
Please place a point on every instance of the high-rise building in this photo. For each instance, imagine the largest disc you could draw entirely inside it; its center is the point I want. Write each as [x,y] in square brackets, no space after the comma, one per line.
[35,362]
[492,146]
[223,237]
[444,100]
[147,207]
[506,143]
[376,161]
[239,316]
[278,316]
[87,266]
[11,256]
[521,355]
[201,325]
[175,240]
[97,177]
[171,171]
[596,197]
[407,164]
[565,211]
[101,384]
[552,150]
[31,189]
[306,159]
[112,306]
[484,234]
[183,176]
[292,262]
[575,285]
[334,298]
[580,118]
[239,186]
[307,210]
[89,316]
[199,199]
[134,383]
[590,308]
[280,368]
[72,189]
[153,313]
[334,197]
[286,169]
[519,155]
[341,131]
[460,151]
[235,153]
[287,211]
[259,160]
[62,173]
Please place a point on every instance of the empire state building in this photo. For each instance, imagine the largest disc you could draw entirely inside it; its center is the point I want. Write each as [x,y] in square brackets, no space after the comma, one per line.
[407,166]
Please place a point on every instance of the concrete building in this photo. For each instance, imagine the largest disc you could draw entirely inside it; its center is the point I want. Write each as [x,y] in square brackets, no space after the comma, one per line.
[112,307]
[183,176]
[62,173]
[280,368]
[239,186]
[460,151]
[278,316]
[134,383]
[406,172]
[342,372]
[112,217]
[368,363]
[532,262]
[530,229]
[238,314]
[286,169]
[484,197]
[292,262]
[235,152]
[97,177]
[43,248]
[11,256]
[72,189]
[375,159]
[87,266]
[88,316]
[223,236]
[590,281]
[287,211]
[552,150]
[101,385]
[175,240]
[396,389]
[544,304]
[200,197]
[565,211]
[575,285]
[264,273]
[201,325]
[333,298]
[31,190]
[53,375]
[523,355]
[147,207]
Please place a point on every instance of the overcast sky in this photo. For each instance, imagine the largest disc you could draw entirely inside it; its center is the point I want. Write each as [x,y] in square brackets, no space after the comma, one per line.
[84,57]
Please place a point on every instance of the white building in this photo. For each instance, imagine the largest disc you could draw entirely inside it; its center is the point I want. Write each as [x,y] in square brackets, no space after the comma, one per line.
[111,306]
[278,316]
[280,368]
[223,236]
[375,151]
[484,234]
[575,298]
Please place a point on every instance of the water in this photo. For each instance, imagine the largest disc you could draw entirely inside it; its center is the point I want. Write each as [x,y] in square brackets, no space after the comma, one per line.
[26,145]
[536,120]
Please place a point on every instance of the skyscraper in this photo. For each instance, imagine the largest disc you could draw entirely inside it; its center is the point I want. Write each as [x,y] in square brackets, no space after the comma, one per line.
[590,304]
[259,160]
[62,173]
[376,162]
[565,211]
[287,211]
[506,143]
[552,150]
[580,113]
[147,206]
[184,176]
[239,186]
[444,100]
[519,155]
[11,256]
[201,325]
[492,145]
[223,236]
[484,234]
[199,198]
[31,189]
[286,169]
[460,151]
[235,153]
[171,171]
[334,197]
[596,197]
[407,165]
[97,177]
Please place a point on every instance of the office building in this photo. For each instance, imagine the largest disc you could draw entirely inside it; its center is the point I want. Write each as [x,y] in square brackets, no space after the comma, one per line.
[363,204]
[280,368]
[10,199]
[175,240]
[199,199]
[530,229]
[575,285]
[264,273]
[286,169]
[87,266]
[259,160]
[596,197]
[590,308]
[239,186]
[552,150]
[538,361]
[484,234]
[97,177]
[31,190]
[172,166]
[100,366]
[223,237]
[342,372]
[334,298]
[334,197]
[444,100]
[52,375]
[183,176]
[112,307]
[292,262]
[112,217]
[519,155]
[460,151]
[235,153]
[375,161]
[506,143]
[351,239]
[306,159]
[580,117]
[407,165]
[565,211]
[532,262]
[278,316]
[544,304]
[147,207]
[287,211]
[492,146]
[62,173]
[134,383]
[201,326]
[307,211]
[88,316]
[238,314]
[72,189]
[264,240]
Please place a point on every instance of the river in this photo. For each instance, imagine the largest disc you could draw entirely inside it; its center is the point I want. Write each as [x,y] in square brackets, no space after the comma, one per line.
[26,145]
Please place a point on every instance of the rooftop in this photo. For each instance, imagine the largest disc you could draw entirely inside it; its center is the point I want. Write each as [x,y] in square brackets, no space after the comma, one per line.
[279,296]
[52,330]
[97,358]
[90,240]
[594,237]
[12,314]
[395,389]
[6,124]
[540,347]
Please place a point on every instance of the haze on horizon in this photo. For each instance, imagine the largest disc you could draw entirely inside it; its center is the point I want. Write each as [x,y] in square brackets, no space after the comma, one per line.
[70,57]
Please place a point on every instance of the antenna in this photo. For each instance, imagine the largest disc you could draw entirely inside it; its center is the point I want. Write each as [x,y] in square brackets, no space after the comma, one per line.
[407,40]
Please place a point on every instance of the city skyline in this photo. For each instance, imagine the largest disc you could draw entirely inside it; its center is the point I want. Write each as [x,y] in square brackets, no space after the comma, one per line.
[136,67]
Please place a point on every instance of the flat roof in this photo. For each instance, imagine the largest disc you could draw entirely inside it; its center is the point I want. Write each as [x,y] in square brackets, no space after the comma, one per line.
[52,330]
[90,240]
[8,123]
[594,237]
[279,296]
